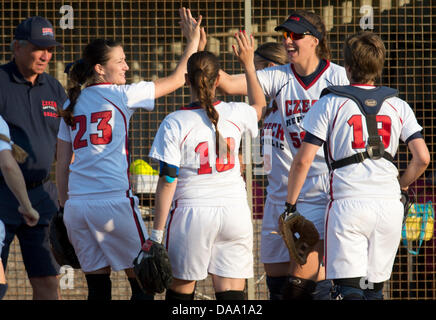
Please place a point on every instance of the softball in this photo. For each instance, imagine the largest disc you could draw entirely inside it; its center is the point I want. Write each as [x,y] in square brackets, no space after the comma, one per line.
[141,167]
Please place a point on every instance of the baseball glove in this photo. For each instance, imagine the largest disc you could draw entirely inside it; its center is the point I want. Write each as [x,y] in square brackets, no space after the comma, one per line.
[60,245]
[152,268]
[299,234]
[407,203]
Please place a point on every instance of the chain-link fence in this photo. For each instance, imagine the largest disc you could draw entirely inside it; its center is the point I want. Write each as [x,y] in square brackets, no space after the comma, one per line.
[153,44]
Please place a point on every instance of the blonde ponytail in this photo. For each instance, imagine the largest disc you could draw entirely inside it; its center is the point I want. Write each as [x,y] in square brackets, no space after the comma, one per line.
[17,152]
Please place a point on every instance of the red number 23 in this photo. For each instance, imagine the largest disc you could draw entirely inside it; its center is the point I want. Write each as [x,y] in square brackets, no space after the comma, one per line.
[104,129]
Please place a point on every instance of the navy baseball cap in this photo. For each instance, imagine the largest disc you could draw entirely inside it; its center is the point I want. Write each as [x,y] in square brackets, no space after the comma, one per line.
[299,24]
[38,31]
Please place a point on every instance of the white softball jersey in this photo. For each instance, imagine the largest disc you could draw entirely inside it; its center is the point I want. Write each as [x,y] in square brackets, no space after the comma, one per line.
[277,160]
[363,220]
[277,157]
[4,129]
[295,99]
[99,135]
[2,236]
[340,120]
[209,230]
[186,139]
[99,211]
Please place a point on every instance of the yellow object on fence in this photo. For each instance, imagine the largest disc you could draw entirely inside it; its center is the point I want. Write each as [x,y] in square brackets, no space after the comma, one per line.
[419,220]
[419,224]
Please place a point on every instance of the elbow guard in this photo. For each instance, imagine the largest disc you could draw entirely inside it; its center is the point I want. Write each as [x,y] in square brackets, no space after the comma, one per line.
[171,172]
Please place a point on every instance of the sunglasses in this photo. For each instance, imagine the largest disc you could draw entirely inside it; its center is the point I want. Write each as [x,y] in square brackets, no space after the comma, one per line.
[294,36]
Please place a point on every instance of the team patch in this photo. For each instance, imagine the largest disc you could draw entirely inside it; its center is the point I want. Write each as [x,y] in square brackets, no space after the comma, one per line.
[370,102]
[49,108]
[47,31]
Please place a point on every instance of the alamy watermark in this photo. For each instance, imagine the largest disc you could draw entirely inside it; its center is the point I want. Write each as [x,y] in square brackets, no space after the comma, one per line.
[367,20]
[66,280]
[67,20]
[365,284]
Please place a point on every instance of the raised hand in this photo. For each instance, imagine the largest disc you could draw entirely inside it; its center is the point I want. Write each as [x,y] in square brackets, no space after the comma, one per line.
[203,40]
[190,26]
[245,54]
[245,50]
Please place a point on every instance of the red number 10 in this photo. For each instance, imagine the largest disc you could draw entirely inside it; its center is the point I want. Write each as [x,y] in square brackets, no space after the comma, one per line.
[203,150]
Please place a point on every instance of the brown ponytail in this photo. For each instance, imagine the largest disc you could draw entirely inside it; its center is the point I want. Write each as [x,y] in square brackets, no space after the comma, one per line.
[323,49]
[203,68]
[270,52]
[82,72]
[17,152]
[78,75]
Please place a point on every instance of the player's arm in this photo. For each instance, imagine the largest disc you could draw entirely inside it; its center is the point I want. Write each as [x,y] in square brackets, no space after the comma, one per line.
[419,162]
[15,181]
[232,84]
[299,169]
[191,30]
[64,156]
[245,54]
[203,40]
[164,197]
[165,190]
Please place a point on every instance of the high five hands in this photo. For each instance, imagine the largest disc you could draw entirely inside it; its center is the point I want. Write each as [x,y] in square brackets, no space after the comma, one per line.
[190,26]
[245,50]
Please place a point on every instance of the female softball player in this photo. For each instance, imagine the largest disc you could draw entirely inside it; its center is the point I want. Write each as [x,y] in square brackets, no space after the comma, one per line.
[361,125]
[209,229]
[14,179]
[101,215]
[277,161]
[296,87]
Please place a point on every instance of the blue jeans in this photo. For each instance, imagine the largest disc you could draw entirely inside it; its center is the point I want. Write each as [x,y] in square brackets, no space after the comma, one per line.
[322,290]
[351,293]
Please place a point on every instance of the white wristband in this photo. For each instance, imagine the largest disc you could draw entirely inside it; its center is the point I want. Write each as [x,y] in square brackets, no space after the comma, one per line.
[156,235]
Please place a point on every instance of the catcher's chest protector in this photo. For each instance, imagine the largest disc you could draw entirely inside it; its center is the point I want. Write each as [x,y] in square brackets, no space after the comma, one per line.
[369,102]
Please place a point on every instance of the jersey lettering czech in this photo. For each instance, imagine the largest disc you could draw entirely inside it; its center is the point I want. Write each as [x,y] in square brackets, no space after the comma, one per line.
[295,99]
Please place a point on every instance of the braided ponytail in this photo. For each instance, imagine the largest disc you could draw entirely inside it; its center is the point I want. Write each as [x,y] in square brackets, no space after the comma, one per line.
[203,68]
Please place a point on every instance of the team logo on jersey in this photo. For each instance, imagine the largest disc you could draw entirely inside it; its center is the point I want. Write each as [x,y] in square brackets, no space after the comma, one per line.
[293,107]
[47,32]
[296,109]
[370,102]
[272,134]
[274,130]
[49,108]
